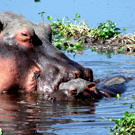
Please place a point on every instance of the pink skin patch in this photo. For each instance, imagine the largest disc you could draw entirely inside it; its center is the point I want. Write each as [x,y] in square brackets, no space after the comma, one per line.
[8,75]
[22,37]
[30,83]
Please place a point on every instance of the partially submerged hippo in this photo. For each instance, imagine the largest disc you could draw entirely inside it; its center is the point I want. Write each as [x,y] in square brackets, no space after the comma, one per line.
[31,62]
[82,89]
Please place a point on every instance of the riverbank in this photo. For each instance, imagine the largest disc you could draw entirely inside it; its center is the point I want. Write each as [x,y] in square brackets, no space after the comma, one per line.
[74,35]
[118,44]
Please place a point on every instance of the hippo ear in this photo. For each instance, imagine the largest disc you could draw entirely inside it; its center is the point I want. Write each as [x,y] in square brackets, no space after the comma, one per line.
[91,84]
[46,28]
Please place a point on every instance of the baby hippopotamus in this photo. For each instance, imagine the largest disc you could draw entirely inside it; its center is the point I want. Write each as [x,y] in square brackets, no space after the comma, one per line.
[82,89]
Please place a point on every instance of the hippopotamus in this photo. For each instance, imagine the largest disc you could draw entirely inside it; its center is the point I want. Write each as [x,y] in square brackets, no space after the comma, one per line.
[29,61]
[81,89]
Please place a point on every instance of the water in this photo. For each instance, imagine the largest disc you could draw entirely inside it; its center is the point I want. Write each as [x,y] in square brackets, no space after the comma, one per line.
[28,114]
[93,12]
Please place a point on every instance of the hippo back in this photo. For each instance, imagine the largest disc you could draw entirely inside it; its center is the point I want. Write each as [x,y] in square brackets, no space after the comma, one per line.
[112,86]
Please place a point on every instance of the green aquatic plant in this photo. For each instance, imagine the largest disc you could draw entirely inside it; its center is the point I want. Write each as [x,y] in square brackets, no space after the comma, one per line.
[118,96]
[124,30]
[105,30]
[49,18]
[67,28]
[63,44]
[68,33]
[42,15]
[124,125]
[71,34]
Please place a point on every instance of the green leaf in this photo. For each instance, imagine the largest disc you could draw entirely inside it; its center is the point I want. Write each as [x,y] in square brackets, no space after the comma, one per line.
[124,29]
[57,40]
[107,24]
[111,30]
[111,119]
[49,18]
[58,45]
[77,16]
[106,36]
[120,49]
[102,33]
[62,40]
[78,44]
[41,12]
[131,106]
[126,113]
[118,96]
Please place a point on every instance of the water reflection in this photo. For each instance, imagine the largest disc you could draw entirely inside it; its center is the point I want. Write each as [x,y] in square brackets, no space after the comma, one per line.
[17,114]
[27,114]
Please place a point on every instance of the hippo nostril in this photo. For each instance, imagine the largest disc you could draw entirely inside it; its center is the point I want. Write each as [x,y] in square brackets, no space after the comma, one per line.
[24,34]
[72,91]
[77,74]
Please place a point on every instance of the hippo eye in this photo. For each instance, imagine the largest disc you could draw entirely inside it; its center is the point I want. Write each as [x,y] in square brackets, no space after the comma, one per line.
[23,34]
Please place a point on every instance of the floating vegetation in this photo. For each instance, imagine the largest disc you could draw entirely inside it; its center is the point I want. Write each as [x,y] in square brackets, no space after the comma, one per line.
[73,34]
[124,125]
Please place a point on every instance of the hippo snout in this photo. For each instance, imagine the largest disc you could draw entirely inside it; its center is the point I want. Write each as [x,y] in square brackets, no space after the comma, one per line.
[85,89]
[79,89]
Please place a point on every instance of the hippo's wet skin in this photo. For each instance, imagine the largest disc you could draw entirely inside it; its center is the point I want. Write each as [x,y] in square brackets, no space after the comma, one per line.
[82,89]
[44,68]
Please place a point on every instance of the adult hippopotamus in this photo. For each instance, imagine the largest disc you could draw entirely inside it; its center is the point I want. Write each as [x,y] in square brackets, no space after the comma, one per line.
[28,59]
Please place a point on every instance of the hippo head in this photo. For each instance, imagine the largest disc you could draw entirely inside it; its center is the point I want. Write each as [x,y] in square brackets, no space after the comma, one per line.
[77,89]
[53,66]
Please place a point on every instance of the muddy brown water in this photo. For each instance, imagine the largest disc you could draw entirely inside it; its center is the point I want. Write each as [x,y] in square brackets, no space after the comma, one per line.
[31,115]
